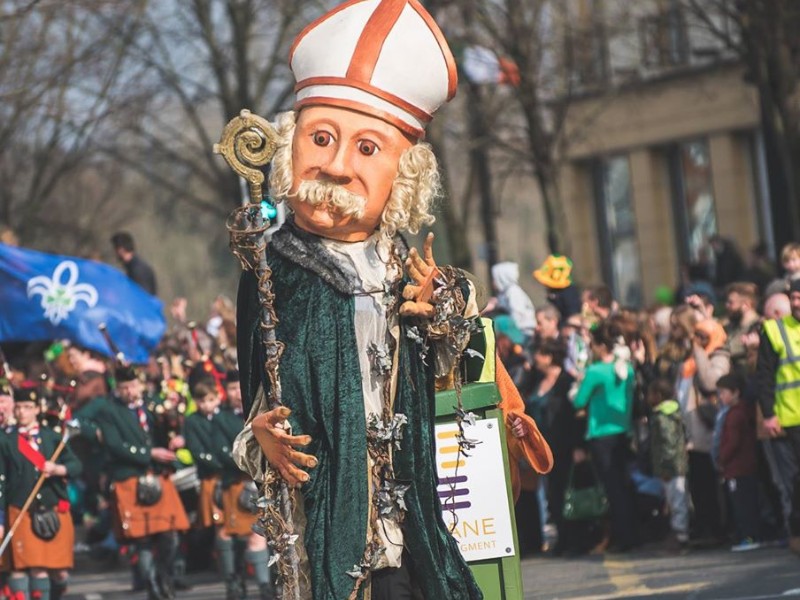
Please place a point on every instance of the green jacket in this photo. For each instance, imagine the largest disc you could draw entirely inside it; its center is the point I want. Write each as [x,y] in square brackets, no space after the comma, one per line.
[321,384]
[86,415]
[87,445]
[18,476]
[608,400]
[199,434]
[210,441]
[668,441]
[127,443]
[228,425]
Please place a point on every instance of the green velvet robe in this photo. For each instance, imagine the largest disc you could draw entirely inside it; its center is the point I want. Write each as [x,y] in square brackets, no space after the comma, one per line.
[321,383]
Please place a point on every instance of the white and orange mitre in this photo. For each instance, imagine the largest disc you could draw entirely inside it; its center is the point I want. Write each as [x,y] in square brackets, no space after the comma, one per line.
[385,58]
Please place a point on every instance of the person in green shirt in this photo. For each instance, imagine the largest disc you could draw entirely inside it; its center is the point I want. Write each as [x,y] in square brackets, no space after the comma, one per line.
[606,392]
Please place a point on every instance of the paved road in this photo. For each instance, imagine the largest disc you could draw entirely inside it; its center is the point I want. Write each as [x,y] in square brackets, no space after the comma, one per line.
[701,575]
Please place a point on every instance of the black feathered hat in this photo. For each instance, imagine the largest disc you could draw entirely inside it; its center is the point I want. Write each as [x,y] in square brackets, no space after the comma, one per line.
[27,392]
[123,372]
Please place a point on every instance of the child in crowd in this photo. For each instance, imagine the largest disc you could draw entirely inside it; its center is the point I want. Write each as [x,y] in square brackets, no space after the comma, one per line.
[790,260]
[223,503]
[737,460]
[670,457]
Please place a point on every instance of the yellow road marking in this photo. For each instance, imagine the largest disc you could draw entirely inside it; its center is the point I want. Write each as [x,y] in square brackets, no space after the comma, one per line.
[628,583]
[643,590]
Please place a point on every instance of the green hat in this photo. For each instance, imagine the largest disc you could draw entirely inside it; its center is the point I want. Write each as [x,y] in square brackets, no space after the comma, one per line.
[664,295]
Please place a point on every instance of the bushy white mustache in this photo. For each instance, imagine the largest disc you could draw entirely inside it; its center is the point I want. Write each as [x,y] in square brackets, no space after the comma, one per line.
[333,196]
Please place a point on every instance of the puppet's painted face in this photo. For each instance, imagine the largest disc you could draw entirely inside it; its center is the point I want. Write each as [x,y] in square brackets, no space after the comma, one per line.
[349,149]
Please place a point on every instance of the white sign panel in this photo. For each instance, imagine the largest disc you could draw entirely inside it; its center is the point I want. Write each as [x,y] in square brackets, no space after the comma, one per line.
[472,490]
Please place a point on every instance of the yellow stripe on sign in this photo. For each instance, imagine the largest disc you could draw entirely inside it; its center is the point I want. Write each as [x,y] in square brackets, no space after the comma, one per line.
[448,450]
[446,435]
[452,464]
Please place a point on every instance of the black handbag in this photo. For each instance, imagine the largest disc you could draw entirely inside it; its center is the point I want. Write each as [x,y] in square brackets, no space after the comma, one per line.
[584,503]
[148,490]
[45,523]
[707,413]
[248,497]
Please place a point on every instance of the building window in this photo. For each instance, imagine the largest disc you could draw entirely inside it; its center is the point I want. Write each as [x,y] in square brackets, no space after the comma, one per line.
[586,48]
[664,39]
[693,197]
[617,228]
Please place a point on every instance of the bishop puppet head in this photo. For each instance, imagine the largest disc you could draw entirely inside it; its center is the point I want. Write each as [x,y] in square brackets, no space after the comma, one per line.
[370,74]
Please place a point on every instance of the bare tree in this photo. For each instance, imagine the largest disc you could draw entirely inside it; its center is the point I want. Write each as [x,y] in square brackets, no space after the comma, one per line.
[204,61]
[62,79]
[544,56]
[764,36]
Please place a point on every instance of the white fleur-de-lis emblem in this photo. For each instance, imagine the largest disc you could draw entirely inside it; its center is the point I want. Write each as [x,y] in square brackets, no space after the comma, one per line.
[59,299]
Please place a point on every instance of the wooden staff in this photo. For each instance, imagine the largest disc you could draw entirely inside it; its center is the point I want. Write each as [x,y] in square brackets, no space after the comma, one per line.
[248,144]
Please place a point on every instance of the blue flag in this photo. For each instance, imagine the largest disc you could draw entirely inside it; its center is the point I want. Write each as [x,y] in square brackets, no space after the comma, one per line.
[47,296]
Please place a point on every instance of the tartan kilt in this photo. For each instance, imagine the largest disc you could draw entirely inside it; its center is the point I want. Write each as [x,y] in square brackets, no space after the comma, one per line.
[208,513]
[236,520]
[133,520]
[30,552]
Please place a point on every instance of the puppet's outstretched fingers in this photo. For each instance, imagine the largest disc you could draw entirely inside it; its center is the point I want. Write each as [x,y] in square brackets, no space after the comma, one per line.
[302,459]
[427,250]
[415,266]
[417,309]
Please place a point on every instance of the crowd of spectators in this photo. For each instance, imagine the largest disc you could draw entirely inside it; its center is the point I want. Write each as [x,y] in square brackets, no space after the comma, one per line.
[683,412]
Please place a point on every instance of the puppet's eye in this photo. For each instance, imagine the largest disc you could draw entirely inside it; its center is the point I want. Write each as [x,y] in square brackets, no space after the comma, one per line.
[322,138]
[367,148]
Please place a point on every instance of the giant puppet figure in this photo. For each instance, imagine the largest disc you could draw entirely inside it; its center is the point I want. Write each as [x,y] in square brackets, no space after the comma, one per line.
[363,336]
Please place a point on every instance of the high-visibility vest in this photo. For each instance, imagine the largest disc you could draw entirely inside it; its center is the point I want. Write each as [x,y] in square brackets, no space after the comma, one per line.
[784,335]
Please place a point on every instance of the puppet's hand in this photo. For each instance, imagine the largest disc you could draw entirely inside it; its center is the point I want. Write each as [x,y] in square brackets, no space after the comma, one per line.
[278,446]
[517,426]
[422,271]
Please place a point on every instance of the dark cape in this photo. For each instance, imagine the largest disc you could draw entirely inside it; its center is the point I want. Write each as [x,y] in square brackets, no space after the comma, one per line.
[321,384]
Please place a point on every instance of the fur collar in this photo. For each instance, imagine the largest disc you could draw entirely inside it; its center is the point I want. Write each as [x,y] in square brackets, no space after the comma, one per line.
[307,250]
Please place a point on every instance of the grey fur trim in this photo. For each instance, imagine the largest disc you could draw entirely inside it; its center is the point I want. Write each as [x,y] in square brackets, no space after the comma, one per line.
[307,250]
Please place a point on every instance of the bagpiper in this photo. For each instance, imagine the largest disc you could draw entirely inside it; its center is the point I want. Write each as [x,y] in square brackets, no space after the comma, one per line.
[226,494]
[41,549]
[146,508]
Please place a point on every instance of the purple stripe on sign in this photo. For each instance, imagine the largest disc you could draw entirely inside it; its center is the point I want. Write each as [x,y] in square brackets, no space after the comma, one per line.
[456,506]
[450,493]
[452,480]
